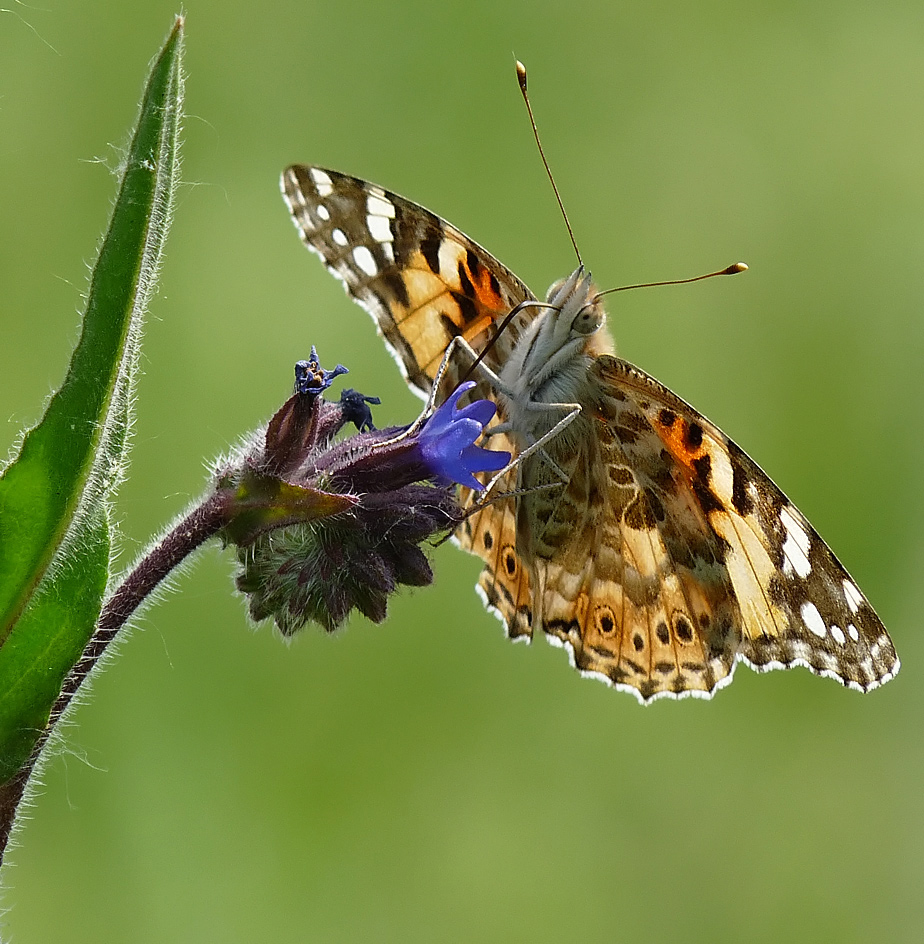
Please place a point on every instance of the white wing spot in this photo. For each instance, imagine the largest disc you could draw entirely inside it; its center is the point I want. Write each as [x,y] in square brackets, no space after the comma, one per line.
[339,237]
[852,630]
[323,183]
[380,228]
[365,261]
[323,212]
[293,193]
[721,474]
[800,649]
[388,252]
[812,619]
[838,635]
[852,595]
[379,206]
[796,545]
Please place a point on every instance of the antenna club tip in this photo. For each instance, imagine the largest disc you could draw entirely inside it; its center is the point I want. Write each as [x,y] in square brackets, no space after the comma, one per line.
[521,75]
[736,268]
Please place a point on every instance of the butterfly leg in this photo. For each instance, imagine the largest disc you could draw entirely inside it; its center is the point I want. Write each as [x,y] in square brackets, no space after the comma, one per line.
[459,343]
[573,410]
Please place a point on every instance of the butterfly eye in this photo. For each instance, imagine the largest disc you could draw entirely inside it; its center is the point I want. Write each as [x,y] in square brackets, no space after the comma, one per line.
[588,320]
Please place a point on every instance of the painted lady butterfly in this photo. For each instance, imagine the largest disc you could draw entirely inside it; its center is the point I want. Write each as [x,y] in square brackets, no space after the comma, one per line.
[640,537]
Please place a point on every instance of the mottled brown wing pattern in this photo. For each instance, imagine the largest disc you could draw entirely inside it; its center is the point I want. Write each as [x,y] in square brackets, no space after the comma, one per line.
[422,280]
[726,567]
[648,606]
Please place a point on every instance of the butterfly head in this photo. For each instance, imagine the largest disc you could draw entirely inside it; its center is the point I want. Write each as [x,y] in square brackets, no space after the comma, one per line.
[576,312]
[551,361]
[574,319]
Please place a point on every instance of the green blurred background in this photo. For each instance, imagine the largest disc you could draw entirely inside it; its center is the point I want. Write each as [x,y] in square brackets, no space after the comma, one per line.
[426,780]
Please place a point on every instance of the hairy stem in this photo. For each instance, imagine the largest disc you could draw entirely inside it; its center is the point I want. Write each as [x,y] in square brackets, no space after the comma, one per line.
[204,521]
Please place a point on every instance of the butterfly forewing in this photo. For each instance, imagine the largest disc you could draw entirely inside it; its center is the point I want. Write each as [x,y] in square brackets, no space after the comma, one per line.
[712,505]
[422,280]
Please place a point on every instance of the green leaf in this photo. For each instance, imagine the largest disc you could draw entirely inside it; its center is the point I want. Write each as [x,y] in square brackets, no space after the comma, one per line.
[54,497]
[50,637]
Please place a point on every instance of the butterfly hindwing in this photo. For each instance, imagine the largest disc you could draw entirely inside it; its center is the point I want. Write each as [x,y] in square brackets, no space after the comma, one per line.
[505,582]
[638,596]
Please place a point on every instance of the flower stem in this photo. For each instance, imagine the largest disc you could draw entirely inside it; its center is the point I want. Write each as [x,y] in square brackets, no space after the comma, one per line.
[204,521]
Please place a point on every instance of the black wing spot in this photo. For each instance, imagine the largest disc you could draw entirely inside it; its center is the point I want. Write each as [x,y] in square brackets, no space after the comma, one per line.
[693,435]
[683,628]
[636,515]
[702,466]
[452,329]
[467,307]
[565,627]
[604,619]
[620,475]
[473,263]
[392,280]
[510,560]
[697,667]
[430,248]
[465,283]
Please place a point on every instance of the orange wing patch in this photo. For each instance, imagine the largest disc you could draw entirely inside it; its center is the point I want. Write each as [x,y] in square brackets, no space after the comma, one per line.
[449,293]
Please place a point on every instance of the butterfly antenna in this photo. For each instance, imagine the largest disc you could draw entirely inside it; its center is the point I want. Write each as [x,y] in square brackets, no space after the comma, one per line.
[521,78]
[733,269]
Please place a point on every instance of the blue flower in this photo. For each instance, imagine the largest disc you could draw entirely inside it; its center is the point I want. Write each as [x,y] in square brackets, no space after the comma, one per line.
[447,440]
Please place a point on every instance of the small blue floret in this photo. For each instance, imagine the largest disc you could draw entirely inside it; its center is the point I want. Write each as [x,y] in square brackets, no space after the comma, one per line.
[447,441]
[311,378]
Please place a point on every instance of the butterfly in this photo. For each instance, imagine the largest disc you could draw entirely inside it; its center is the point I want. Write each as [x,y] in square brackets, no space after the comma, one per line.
[639,537]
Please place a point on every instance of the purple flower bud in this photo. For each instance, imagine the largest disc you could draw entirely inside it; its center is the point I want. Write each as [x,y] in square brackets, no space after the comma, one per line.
[355,408]
[323,527]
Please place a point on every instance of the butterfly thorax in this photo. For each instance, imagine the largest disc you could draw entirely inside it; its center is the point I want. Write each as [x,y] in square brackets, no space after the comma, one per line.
[549,364]
[546,376]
